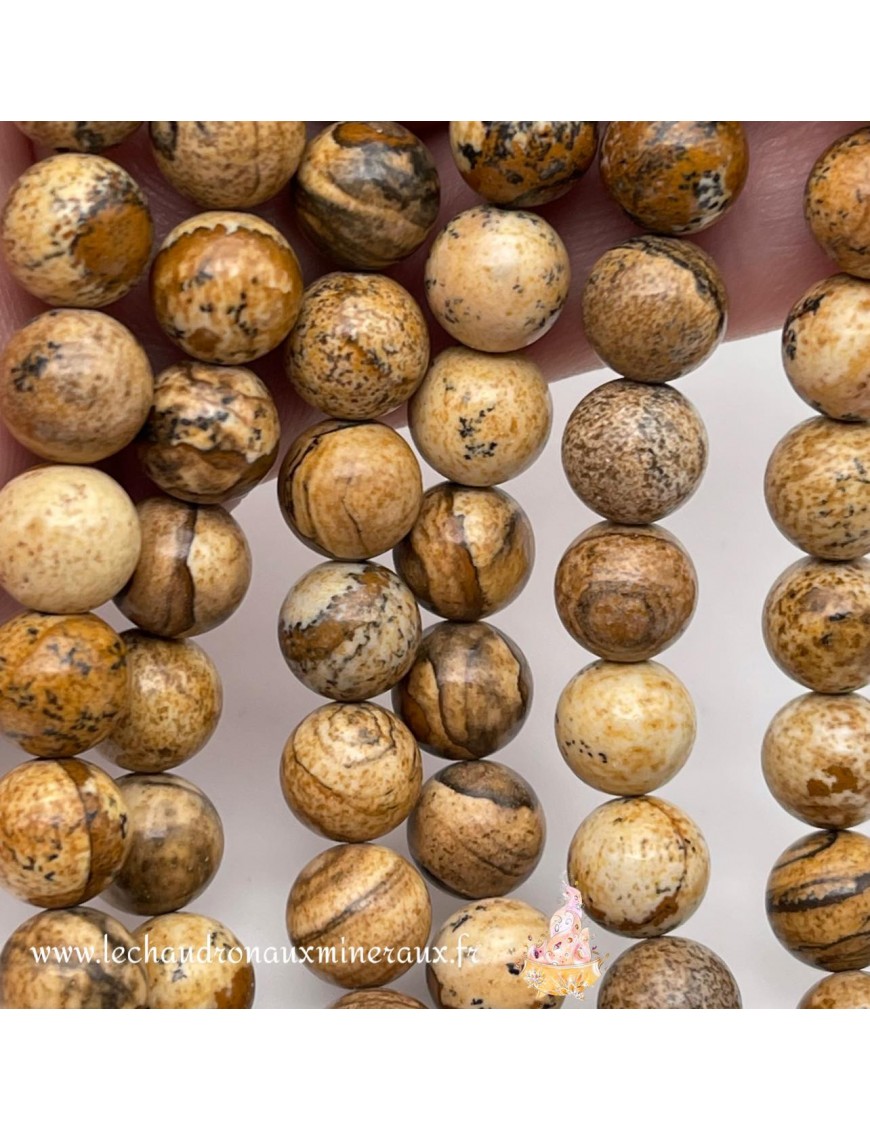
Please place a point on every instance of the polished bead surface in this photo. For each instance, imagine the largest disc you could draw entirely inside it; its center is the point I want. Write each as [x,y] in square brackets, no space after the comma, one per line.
[847,990]
[668,973]
[194,962]
[835,204]
[376,999]
[80,137]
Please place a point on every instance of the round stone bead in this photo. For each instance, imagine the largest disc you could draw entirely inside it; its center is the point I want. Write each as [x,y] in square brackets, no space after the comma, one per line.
[176,845]
[376,999]
[642,865]
[69,538]
[350,489]
[848,990]
[484,947]
[80,137]
[495,280]
[194,570]
[227,164]
[818,900]
[349,630]
[366,905]
[668,973]
[351,771]
[469,554]
[360,346]
[75,386]
[674,178]
[193,962]
[816,624]
[64,832]
[173,707]
[226,287]
[834,202]
[76,230]
[625,592]
[467,693]
[522,164]
[367,193]
[481,420]
[478,829]
[625,728]
[115,982]
[654,308]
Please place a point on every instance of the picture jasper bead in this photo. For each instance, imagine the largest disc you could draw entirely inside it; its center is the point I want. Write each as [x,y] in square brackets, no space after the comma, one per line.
[116,982]
[350,489]
[467,692]
[834,202]
[193,962]
[668,973]
[642,865]
[80,137]
[654,308]
[212,432]
[495,280]
[469,554]
[349,630]
[227,164]
[848,990]
[625,592]
[76,231]
[351,771]
[193,572]
[818,900]
[674,177]
[359,898]
[64,832]
[480,420]
[75,386]
[376,999]
[360,346]
[366,193]
[64,682]
[176,845]
[478,829]
[226,287]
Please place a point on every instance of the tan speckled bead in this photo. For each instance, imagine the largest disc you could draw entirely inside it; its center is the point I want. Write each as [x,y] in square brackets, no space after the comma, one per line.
[350,489]
[654,308]
[485,947]
[625,728]
[69,538]
[478,830]
[376,999]
[194,570]
[480,420]
[76,230]
[227,164]
[625,592]
[467,693]
[835,202]
[634,453]
[212,433]
[83,137]
[176,845]
[360,346]
[116,983]
[495,280]
[359,896]
[848,990]
[174,705]
[818,900]
[816,624]
[349,630]
[64,682]
[193,962]
[75,386]
[668,973]
[64,832]
[226,287]
[351,771]
[642,865]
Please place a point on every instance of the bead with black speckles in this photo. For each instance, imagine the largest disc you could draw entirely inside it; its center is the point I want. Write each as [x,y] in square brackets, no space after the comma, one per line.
[835,202]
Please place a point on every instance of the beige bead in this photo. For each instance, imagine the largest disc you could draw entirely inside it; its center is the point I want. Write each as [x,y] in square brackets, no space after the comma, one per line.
[193,962]
[351,771]
[83,137]
[625,728]
[376,999]
[848,990]
[480,420]
[496,280]
[642,865]
[834,202]
[69,538]
[668,973]
[75,386]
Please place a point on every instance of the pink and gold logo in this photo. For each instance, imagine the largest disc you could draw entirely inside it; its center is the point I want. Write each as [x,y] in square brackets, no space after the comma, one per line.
[567,962]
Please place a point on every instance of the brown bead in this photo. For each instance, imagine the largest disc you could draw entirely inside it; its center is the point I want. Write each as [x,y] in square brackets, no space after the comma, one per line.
[668,973]
[848,990]
[835,202]
[193,962]
[376,999]
[674,177]
[625,592]
[81,137]
[654,309]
